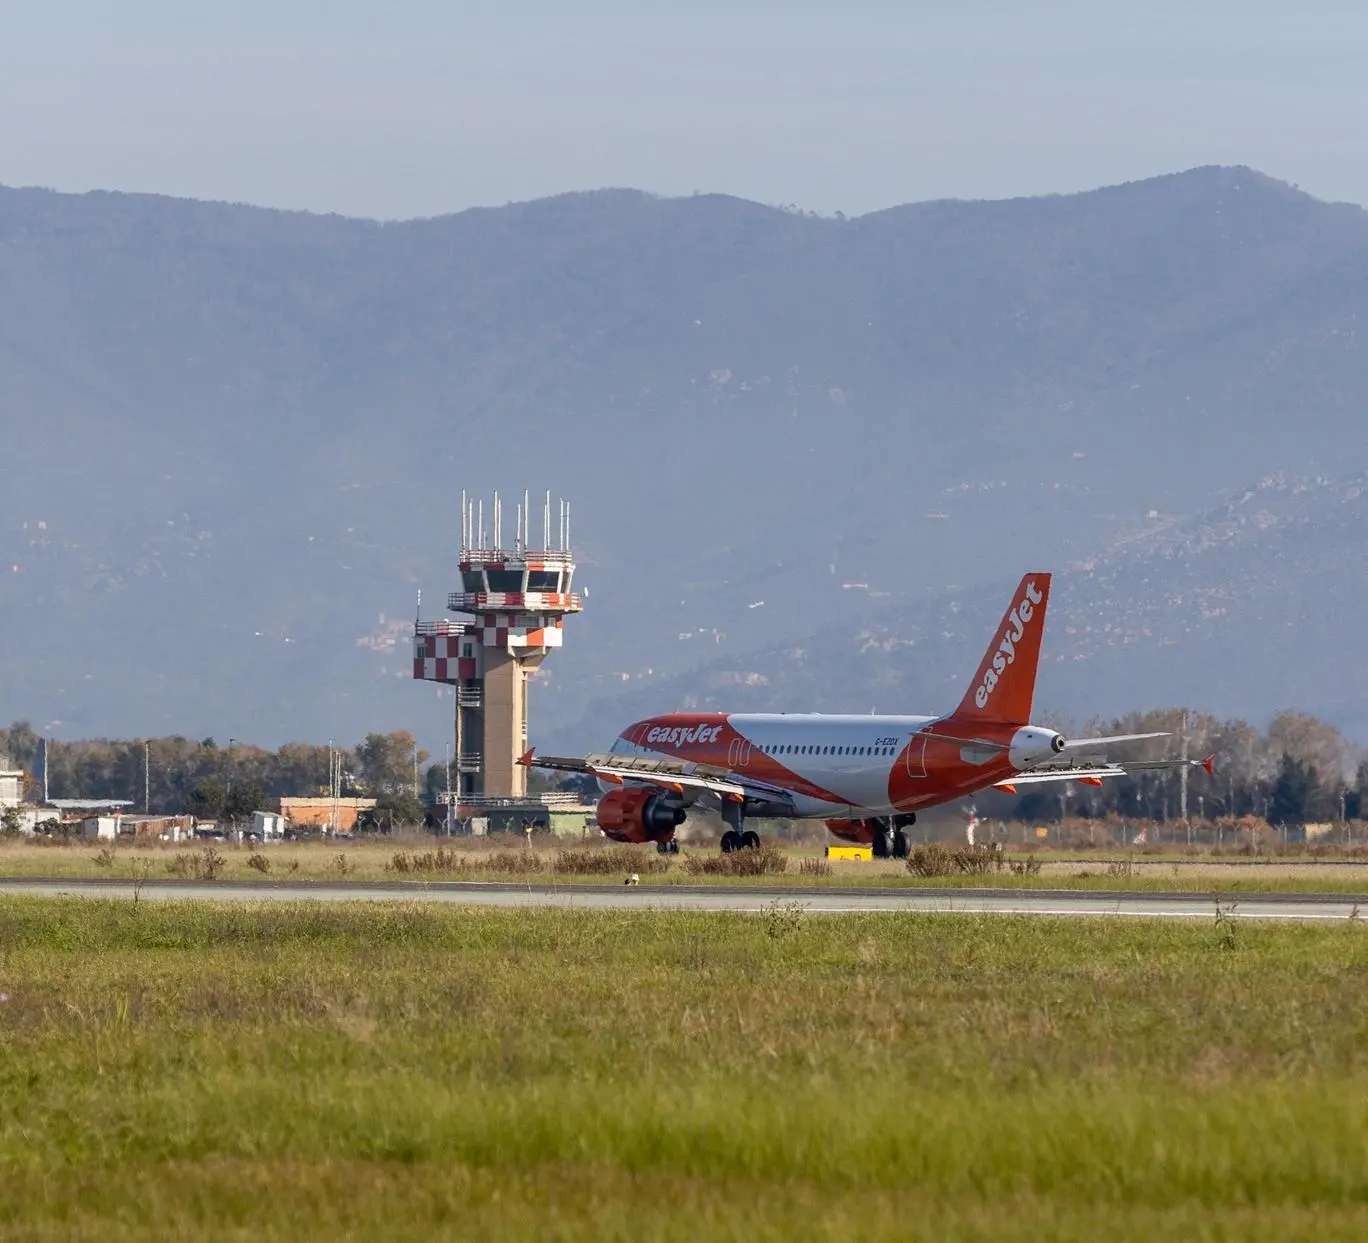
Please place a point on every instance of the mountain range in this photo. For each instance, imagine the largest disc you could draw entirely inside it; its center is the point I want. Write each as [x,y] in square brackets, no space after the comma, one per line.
[807,456]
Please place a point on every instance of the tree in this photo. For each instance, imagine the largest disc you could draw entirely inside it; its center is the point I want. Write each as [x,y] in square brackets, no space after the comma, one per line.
[386,762]
[392,811]
[434,783]
[1356,797]
[209,798]
[1294,793]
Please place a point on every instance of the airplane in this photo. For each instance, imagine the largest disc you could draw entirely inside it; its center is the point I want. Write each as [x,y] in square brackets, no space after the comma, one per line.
[867,777]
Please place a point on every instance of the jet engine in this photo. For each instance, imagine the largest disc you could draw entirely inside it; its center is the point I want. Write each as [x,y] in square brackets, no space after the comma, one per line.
[857,831]
[1032,745]
[638,814]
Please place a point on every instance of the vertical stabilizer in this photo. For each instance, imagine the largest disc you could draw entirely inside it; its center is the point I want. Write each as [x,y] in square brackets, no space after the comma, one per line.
[1004,686]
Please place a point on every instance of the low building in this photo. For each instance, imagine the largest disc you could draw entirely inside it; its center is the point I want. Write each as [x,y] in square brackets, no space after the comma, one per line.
[335,815]
[268,825]
[558,813]
[103,828]
[11,786]
[157,828]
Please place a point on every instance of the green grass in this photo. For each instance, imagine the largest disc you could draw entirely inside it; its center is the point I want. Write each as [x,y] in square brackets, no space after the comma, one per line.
[200,1070]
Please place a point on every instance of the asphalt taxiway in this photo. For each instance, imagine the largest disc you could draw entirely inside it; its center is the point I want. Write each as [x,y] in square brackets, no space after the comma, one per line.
[818,900]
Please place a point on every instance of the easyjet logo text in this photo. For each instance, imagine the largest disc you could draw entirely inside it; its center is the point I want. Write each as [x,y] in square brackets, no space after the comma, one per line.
[699,733]
[1017,621]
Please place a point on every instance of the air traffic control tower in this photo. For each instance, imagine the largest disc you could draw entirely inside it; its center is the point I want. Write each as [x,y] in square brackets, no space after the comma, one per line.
[517,598]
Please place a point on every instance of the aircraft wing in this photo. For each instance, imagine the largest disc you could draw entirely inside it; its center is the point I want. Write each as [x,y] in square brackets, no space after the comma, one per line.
[1095,773]
[675,775]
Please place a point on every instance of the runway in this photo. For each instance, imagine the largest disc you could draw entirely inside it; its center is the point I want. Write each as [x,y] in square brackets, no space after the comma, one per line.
[818,901]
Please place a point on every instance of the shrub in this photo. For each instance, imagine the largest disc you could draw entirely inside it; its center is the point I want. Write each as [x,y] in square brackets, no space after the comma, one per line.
[517,862]
[260,862]
[932,859]
[609,861]
[938,859]
[105,859]
[765,861]
[206,864]
[814,867]
[448,861]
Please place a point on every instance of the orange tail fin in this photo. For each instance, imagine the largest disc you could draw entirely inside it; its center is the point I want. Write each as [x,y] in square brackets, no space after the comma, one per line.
[1004,686]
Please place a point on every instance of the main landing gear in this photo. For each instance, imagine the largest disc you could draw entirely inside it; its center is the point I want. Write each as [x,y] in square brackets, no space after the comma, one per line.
[737,838]
[667,848]
[890,835]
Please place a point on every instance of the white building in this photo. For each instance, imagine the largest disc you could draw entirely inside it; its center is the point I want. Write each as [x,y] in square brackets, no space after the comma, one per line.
[105,828]
[268,825]
[11,785]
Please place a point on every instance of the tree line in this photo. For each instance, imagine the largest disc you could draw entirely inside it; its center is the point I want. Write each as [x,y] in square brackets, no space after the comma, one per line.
[1298,770]
[213,780]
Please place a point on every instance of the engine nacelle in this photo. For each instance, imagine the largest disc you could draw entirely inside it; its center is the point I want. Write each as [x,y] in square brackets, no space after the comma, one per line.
[1032,745]
[859,832]
[637,814]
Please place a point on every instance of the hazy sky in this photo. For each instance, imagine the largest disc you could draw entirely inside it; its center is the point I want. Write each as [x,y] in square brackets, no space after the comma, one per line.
[400,108]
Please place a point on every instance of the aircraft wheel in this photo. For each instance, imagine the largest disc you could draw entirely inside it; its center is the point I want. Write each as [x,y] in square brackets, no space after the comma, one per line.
[674,846]
[750,840]
[883,842]
[662,848]
[731,840]
[899,844]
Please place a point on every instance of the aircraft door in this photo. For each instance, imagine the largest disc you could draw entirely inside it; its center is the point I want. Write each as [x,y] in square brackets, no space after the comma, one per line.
[916,756]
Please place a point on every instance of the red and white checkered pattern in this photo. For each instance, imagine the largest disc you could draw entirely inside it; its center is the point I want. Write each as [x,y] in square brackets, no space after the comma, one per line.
[457,655]
[446,657]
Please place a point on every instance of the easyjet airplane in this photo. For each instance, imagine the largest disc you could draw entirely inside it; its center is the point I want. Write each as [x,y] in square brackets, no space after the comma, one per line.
[866,776]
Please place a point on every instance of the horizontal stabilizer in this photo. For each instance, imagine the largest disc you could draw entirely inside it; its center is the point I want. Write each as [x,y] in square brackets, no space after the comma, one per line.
[1077,744]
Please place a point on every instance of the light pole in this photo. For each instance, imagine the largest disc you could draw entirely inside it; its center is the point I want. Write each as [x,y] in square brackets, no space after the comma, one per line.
[228,794]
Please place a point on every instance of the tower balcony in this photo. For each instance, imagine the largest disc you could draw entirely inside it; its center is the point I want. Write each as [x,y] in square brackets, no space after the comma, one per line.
[515,602]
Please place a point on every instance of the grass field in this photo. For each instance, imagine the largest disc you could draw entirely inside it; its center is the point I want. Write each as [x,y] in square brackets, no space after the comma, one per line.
[257,1072]
[495,859]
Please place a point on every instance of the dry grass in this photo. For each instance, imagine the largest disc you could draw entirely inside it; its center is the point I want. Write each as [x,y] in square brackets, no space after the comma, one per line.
[507,858]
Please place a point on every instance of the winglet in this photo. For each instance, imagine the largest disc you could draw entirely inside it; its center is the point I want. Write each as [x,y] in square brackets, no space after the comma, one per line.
[526,759]
[1209,764]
